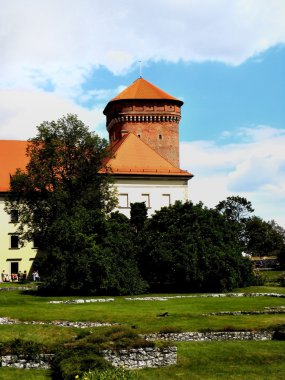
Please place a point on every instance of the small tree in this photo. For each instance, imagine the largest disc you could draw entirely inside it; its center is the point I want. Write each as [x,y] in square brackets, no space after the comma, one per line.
[263,238]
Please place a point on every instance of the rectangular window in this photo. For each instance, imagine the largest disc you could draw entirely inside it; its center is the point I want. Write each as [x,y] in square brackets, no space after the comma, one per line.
[36,242]
[166,200]
[123,200]
[146,200]
[14,241]
[14,216]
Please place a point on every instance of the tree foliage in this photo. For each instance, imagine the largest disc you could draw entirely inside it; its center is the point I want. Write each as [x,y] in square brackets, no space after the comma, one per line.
[138,215]
[188,247]
[65,203]
[235,208]
[61,177]
[264,238]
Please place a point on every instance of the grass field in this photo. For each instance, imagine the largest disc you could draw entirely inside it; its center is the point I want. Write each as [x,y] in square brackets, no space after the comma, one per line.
[196,360]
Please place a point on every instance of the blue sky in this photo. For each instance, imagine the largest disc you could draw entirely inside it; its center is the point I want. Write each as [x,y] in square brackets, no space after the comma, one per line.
[224,59]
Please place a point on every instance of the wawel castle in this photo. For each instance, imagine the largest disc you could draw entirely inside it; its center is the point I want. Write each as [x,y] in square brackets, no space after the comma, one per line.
[143,126]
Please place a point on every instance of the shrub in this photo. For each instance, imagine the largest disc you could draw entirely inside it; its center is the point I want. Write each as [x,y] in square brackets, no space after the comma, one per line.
[124,337]
[82,355]
[22,348]
[69,363]
[110,374]
[279,333]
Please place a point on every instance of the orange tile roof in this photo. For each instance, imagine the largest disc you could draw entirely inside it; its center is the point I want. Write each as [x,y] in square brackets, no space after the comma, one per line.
[12,157]
[133,156]
[141,89]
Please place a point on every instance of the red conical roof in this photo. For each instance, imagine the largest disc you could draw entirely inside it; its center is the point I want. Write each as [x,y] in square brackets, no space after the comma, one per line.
[141,89]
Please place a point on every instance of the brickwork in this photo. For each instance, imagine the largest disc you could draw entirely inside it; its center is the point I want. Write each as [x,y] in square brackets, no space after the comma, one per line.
[155,122]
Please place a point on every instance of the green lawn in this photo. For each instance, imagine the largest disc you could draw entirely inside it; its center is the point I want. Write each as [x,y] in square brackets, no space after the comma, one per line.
[184,313]
[204,360]
[227,360]
[196,360]
[20,374]
[272,277]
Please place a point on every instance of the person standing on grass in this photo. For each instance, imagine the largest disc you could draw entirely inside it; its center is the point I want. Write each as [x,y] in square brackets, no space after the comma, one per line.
[2,276]
[24,277]
[37,276]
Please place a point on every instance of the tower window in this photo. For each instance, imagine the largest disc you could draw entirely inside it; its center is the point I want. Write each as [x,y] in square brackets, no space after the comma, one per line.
[139,136]
[160,137]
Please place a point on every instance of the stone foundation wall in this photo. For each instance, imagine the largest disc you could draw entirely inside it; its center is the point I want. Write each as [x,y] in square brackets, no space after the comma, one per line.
[211,336]
[132,358]
[14,361]
[147,357]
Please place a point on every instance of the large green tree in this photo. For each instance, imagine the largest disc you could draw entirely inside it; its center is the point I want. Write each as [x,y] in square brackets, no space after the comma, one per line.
[62,200]
[187,247]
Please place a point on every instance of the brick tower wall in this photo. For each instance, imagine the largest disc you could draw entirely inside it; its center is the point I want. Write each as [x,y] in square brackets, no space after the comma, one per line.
[155,122]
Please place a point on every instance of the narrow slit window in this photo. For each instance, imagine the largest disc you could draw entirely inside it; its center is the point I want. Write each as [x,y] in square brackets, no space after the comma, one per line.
[166,201]
[146,200]
[123,200]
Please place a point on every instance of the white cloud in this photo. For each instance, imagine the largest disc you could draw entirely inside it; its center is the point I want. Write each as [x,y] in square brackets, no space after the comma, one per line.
[61,41]
[102,95]
[55,45]
[22,111]
[254,169]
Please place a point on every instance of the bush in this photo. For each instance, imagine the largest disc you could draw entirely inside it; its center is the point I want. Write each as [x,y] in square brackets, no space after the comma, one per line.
[125,337]
[22,348]
[84,354]
[279,333]
[70,363]
[110,374]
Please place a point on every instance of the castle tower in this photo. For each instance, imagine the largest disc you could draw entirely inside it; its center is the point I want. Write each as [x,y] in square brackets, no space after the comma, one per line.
[149,113]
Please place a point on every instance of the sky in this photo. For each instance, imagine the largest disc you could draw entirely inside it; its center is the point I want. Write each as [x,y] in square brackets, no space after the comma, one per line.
[224,58]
